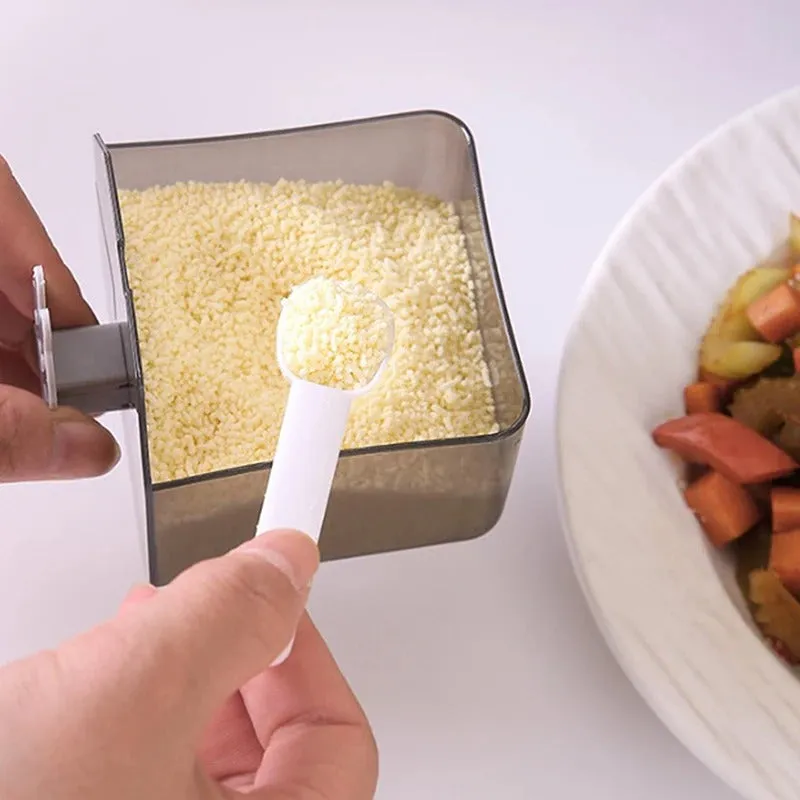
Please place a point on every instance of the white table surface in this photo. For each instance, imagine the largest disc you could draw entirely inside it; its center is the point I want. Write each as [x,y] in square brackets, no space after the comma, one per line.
[478,663]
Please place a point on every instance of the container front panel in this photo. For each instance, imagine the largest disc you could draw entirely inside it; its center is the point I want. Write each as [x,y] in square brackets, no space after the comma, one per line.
[381,501]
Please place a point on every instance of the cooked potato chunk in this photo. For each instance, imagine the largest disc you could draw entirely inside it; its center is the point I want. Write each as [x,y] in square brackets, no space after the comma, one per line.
[731,346]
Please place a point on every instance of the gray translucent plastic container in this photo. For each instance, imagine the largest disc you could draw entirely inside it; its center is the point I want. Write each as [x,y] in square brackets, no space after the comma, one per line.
[384,498]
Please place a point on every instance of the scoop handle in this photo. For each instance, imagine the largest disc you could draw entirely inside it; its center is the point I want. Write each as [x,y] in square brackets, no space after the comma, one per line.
[300,480]
[306,455]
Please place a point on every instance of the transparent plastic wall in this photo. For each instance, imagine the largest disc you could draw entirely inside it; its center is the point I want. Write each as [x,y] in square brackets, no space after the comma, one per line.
[384,498]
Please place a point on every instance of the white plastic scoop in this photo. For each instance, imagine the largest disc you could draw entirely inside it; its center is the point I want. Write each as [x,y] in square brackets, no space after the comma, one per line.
[310,439]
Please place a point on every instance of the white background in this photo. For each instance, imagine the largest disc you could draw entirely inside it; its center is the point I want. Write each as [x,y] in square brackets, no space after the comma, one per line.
[478,663]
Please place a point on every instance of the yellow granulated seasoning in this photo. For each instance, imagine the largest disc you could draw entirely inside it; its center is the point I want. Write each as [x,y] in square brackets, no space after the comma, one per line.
[334,334]
[209,264]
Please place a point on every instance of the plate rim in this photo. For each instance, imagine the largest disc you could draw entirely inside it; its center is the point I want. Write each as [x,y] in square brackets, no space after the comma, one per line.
[698,746]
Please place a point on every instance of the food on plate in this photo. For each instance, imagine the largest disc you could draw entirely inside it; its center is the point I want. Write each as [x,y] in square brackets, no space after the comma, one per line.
[784,558]
[740,440]
[701,396]
[726,445]
[794,232]
[785,507]
[734,359]
[777,613]
[725,509]
[776,315]
[788,439]
[731,348]
[768,404]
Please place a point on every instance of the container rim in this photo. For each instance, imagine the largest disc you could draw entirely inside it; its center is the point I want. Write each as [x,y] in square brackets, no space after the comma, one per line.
[500,435]
[318,126]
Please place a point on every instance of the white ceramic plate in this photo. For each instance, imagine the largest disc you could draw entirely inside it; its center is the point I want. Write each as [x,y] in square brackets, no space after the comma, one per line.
[666,602]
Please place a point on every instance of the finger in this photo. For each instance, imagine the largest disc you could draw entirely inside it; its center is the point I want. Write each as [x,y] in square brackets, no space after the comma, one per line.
[230,751]
[39,444]
[16,332]
[138,594]
[25,243]
[14,327]
[318,741]
[224,620]
[16,371]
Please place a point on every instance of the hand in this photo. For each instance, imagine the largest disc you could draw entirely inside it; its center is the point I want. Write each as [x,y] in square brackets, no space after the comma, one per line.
[174,698]
[36,443]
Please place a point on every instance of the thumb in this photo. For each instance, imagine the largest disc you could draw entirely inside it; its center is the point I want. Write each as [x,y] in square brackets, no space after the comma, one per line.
[39,444]
[225,620]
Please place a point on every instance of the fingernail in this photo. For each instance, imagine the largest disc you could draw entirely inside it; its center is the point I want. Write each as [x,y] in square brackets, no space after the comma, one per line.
[82,449]
[293,553]
[136,596]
